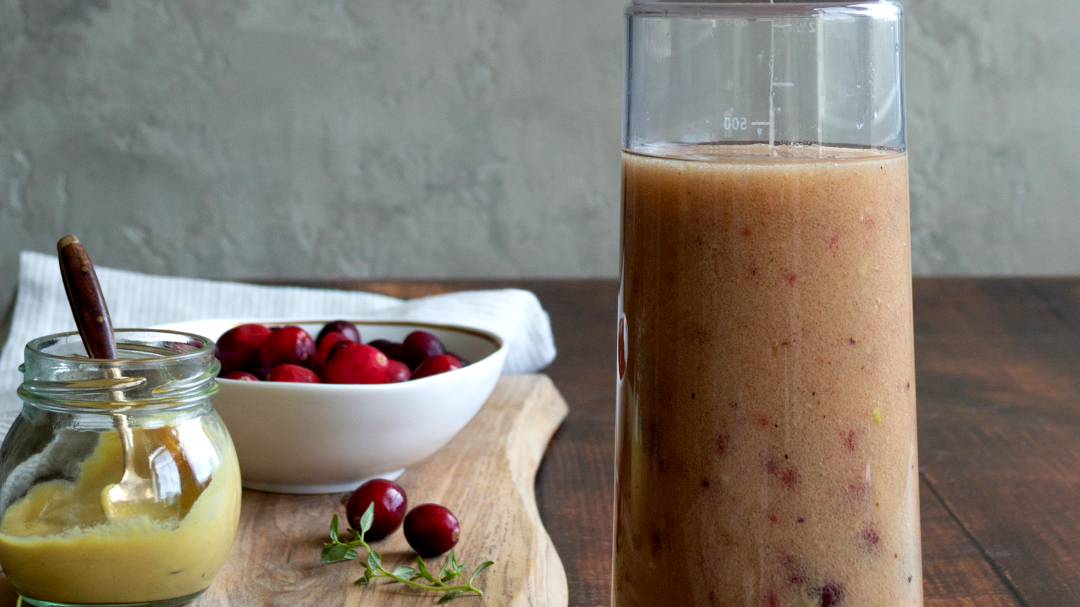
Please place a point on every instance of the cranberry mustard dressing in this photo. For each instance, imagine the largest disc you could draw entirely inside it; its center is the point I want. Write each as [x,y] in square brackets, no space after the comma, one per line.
[766,439]
[57,544]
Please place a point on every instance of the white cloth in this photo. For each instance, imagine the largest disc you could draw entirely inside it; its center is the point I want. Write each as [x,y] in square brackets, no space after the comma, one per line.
[141,300]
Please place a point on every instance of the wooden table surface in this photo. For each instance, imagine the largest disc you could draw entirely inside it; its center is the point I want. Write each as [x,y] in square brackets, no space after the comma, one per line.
[998,379]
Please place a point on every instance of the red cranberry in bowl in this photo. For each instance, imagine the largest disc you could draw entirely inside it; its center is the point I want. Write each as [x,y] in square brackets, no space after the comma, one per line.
[325,344]
[288,345]
[435,365]
[397,372]
[240,375]
[431,529]
[390,505]
[356,364]
[238,348]
[391,349]
[418,346]
[293,373]
[344,327]
[334,349]
[464,363]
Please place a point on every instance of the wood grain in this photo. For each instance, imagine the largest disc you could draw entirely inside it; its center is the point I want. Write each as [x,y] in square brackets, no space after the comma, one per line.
[998,364]
[998,379]
[485,476]
[999,434]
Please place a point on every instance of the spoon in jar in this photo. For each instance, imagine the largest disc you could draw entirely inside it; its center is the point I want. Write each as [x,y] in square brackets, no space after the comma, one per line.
[130,496]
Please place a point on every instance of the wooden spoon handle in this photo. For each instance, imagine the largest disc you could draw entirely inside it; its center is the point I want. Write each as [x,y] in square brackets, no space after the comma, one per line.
[86,299]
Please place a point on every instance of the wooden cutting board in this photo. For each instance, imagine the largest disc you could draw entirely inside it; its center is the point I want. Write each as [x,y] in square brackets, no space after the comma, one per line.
[485,476]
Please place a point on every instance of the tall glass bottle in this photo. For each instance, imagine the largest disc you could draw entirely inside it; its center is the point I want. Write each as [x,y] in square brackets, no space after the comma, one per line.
[766,449]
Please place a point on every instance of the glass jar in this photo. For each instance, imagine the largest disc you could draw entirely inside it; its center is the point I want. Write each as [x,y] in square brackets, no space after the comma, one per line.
[766,448]
[62,543]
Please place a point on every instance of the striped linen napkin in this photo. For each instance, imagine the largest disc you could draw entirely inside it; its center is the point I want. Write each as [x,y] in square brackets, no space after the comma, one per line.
[142,300]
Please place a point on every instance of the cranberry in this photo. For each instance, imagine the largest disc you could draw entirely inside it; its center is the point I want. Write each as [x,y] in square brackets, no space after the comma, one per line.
[334,349]
[261,373]
[418,346]
[356,364]
[464,363]
[390,501]
[238,348]
[325,344]
[435,365]
[397,372]
[293,373]
[288,345]
[431,529]
[344,327]
[240,375]
[391,349]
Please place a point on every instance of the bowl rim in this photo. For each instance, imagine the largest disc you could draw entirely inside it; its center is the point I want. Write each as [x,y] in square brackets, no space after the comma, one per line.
[492,338]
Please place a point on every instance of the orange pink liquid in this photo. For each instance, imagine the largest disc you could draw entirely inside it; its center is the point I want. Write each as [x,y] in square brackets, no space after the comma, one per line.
[766,442]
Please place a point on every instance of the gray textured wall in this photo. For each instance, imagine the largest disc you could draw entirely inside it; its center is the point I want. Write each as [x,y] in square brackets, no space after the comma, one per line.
[232,138]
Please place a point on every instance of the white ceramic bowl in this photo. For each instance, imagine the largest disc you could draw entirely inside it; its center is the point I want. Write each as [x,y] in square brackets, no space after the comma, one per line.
[328,438]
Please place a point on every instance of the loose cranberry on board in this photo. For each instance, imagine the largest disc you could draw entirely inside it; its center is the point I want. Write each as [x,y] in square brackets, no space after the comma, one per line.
[431,529]
[390,505]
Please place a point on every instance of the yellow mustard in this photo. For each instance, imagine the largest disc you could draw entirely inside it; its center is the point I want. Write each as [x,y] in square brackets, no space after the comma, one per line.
[56,543]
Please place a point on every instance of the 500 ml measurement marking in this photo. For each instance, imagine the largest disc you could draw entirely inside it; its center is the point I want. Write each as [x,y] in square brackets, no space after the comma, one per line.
[771,123]
[734,123]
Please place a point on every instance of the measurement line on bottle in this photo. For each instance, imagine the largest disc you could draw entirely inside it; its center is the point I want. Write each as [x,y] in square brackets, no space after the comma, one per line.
[773,83]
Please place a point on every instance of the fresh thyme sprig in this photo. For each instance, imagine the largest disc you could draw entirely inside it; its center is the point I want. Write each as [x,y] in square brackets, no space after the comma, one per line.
[336,551]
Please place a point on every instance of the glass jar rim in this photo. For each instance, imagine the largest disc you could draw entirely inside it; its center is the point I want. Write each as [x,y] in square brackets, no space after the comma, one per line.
[35,346]
[156,369]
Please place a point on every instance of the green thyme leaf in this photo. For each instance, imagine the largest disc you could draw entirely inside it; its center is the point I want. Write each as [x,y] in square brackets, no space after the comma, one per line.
[366,519]
[422,570]
[333,529]
[479,569]
[335,553]
[374,560]
[368,574]
[450,595]
[404,572]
